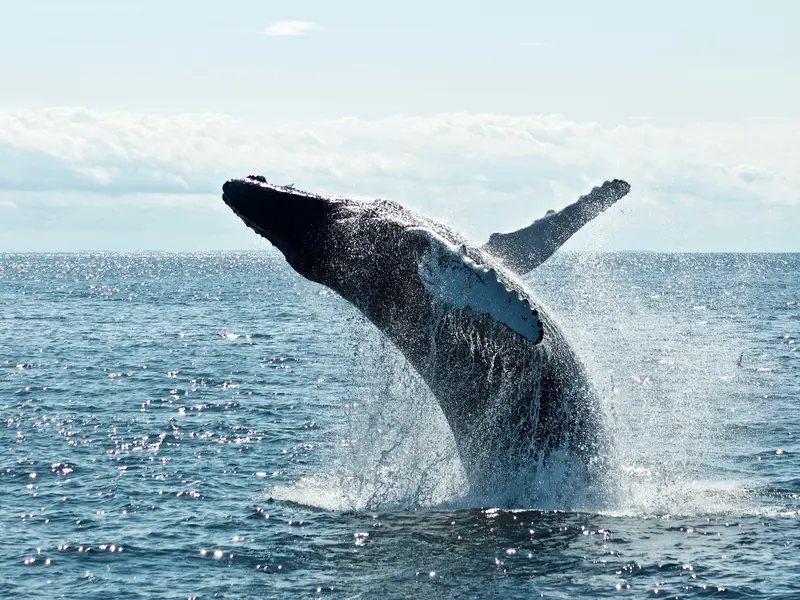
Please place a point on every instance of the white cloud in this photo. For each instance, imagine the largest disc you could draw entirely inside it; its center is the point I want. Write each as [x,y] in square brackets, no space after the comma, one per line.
[481,171]
[290,28]
[184,152]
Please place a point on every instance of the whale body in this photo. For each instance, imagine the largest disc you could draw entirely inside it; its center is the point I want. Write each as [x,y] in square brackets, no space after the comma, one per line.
[507,380]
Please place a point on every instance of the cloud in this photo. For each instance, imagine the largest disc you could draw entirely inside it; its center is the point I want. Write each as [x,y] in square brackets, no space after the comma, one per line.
[285,28]
[452,166]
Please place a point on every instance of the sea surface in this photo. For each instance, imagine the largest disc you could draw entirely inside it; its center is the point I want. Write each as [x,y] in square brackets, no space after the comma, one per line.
[215,426]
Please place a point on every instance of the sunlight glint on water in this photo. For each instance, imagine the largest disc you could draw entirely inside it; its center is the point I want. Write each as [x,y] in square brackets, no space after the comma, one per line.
[217,415]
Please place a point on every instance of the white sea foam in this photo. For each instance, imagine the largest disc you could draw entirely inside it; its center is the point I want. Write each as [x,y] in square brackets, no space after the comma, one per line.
[395,448]
[668,398]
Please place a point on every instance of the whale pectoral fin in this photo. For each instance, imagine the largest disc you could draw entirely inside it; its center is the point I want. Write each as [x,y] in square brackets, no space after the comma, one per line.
[527,248]
[451,277]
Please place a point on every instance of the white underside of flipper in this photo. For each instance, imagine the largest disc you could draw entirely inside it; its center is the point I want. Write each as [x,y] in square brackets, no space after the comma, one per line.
[449,275]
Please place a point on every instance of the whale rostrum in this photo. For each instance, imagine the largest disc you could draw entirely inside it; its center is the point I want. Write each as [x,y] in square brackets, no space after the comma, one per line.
[506,379]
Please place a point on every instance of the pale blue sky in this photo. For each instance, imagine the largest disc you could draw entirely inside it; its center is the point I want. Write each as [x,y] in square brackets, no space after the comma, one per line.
[697,104]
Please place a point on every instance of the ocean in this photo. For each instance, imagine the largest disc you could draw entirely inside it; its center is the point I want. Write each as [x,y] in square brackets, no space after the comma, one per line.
[215,426]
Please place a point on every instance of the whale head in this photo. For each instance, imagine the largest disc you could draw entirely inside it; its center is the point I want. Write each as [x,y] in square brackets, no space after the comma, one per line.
[381,257]
[361,249]
[296,223]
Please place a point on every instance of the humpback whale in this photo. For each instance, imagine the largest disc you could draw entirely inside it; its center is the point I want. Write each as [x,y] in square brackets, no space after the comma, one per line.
[507,380]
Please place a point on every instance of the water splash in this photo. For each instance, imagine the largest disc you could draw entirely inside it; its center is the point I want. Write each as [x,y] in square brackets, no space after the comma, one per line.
[397,446]
[394,448]
[667,386]
[670,389]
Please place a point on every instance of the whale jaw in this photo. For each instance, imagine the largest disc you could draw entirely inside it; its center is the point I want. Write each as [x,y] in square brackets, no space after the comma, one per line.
[293,221]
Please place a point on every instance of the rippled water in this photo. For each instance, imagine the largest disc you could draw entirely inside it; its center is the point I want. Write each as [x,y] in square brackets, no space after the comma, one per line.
[215,426]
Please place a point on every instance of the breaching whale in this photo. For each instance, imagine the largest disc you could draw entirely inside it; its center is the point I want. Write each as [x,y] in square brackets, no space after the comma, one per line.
[508,382]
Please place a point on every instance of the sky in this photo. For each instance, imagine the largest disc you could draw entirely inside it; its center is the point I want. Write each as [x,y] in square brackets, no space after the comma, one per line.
[119,122]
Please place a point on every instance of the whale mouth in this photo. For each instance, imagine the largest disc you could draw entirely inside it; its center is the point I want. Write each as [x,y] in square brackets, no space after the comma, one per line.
[295,222]
[239,195]
[281,214]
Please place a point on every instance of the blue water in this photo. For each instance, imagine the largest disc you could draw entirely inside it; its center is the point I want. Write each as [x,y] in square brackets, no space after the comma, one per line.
[215,426]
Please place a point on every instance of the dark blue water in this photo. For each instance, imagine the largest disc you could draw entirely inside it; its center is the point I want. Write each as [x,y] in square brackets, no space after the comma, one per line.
[215,426]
